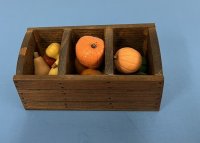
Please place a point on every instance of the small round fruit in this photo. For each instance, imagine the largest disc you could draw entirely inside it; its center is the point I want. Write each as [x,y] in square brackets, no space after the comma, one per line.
[90,51]
[53,50]
[127,60]
[91,72]
[79,67]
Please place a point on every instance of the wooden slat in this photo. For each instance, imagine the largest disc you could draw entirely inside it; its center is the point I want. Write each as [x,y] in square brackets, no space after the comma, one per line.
[92,106]
[155,52]
[95,85]
[145,78]
[39,49]
[64,53]
[146,25]
[88,95]
[109,51]
[132,92]
[23,52]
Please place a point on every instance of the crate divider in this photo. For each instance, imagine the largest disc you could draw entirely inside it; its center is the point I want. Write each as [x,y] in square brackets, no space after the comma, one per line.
[109,51]
[64,60]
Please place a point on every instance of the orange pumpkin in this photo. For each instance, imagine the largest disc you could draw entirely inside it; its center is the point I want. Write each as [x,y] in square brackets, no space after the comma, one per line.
[91,72]
[127,60]
[79,67]
[90,51]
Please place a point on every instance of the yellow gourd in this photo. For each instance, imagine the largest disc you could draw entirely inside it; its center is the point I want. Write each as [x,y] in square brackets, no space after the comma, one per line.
[53,71]
[53,50]
[127,60]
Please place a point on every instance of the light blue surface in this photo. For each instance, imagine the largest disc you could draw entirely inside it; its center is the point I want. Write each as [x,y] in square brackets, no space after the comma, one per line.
[179,35]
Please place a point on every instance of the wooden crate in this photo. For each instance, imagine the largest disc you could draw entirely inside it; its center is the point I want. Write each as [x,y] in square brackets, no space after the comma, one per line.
[110,91]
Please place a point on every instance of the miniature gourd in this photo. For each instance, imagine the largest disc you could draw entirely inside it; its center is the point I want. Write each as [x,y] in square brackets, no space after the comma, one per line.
[127,60]
[40,66]
[90,51]
[91,72]
[53,50]
[79,67]
[53,71]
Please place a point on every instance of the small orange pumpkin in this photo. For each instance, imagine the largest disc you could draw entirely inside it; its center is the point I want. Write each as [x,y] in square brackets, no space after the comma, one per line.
[127,60]
[90,51]
[91,72]
[79,67]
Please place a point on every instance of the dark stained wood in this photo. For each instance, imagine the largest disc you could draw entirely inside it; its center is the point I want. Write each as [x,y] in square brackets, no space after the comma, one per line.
[144,25]
[155,50]
[27,64]
[92,106]
[23,52]
[38,48]
[109,51]
[64,64]
[111,91]
[145,44]
[29,97]
[95,85]
[48,36]
[94,82]
[89,95]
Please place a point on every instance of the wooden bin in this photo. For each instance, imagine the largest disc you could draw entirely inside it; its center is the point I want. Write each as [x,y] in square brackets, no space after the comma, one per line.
[110,91]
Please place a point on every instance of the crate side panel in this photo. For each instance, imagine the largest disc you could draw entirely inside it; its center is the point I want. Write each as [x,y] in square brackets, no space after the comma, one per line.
[89,95]
[154,52]
[25,59]
[88,85]
[137,106]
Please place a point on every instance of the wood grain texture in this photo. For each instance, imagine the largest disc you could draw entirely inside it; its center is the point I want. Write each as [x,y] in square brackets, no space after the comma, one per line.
[110,91]
[38,48]
[89,95]
[142,25]
[89,82]
[129,37]
[92,106]
[64,64]
[109,51]
[23,53]
[155,50]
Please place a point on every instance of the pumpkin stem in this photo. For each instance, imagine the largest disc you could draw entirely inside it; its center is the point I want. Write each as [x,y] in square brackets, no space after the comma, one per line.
[93,45]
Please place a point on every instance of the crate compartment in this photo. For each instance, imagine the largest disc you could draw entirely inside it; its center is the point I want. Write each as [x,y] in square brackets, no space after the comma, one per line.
[131,37]
[69,53]
[36,41]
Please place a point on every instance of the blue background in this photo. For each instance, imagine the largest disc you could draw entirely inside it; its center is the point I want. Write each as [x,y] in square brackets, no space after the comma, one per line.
[178,27]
